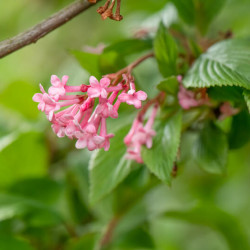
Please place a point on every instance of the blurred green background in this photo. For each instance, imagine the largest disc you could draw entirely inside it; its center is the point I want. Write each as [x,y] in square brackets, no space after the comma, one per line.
[44,180]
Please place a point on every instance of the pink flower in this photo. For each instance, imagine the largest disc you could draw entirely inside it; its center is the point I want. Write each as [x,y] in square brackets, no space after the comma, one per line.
[133,97]
[227,110]
[46,104]
[106,110]
[89,138]
[98,89]
[79,119]
[145,136]
[189,99]
[58,86]
[140,135]
[103,133]
[58,130]
[132,155]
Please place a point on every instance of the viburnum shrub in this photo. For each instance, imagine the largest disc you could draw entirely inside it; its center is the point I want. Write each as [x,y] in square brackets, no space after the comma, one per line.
[203,93]
[155,122]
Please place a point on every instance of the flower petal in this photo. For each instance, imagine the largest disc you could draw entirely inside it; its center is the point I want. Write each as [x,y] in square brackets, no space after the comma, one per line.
[93,92]
[55,81]
[93,82]
[123,97]
[64,80]
[90,128]
[81,143]
[104,82]
[141,95]
[37,97]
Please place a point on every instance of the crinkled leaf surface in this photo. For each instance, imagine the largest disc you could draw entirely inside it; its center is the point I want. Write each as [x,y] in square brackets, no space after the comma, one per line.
[226,63]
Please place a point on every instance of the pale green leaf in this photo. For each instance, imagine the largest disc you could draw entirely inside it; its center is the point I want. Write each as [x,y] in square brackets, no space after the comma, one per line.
[88,61]
[21,103]
[129,46]
[25,155]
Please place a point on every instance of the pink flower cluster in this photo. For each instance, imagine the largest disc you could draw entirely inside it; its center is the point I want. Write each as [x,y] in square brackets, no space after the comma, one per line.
[189,99]
[140,135]
[78,115]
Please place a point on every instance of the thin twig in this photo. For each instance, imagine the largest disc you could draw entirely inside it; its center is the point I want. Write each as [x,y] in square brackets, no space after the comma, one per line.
[42,29]
[107,237]
[127,70]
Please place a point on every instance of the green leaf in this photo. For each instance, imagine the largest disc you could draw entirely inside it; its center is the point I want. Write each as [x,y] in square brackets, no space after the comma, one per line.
[21,103]
[226,93]
[215,218]
[44,190]
[240,130]
[87,241]
[246,94]
[12,206]
[129,46]
[169,85]
[195,48]
[148,6]
[165,51]
[8,242]
[206,11]
[186,10]
[108,169]
[110,62]
[88,61]
[137,238]
[225,63]
[210,149]
[25,156]
[199,12]
[160,158]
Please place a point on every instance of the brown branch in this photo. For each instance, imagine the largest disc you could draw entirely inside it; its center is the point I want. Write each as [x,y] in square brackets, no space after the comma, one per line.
[42,29]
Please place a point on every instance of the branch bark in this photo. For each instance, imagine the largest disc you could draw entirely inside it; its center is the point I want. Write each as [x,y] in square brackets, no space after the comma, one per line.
[42,29]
